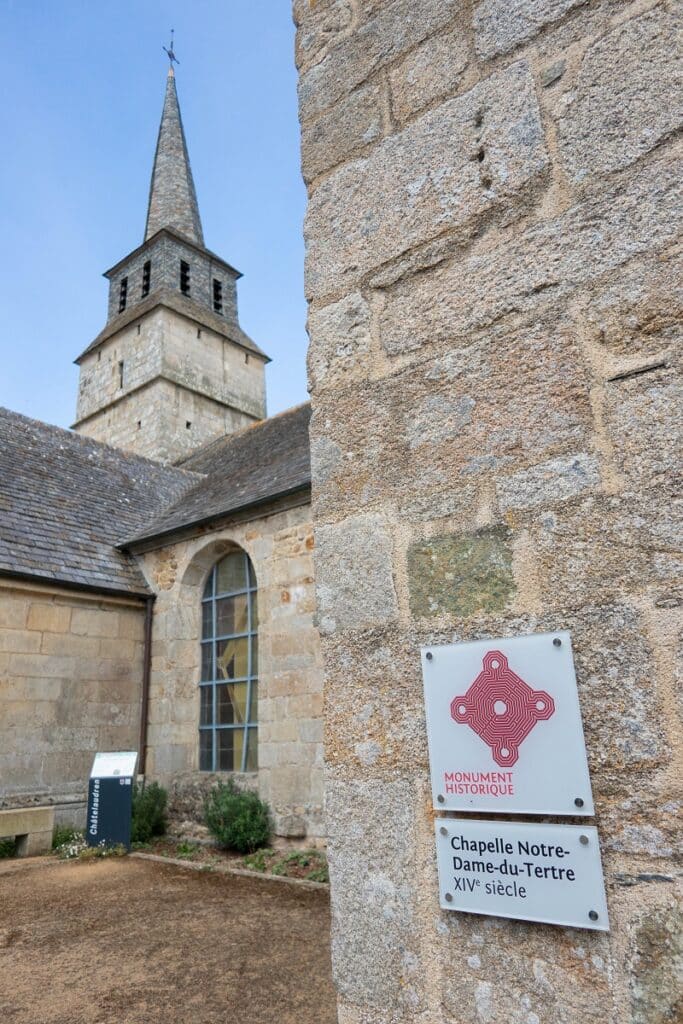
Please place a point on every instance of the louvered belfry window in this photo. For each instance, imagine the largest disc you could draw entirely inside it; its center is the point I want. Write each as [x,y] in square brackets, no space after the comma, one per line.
[228,688]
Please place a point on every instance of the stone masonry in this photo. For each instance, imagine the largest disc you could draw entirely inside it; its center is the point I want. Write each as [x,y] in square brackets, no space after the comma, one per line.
[493,282]
[279,542]
[70,683]
[163,386]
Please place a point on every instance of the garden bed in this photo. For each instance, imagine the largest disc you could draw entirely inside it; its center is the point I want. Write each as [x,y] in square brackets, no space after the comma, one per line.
[307,864]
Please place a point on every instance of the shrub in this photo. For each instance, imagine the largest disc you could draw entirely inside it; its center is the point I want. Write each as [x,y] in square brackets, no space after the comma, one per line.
[8,848]
[149,812]
[237,819]
[64,834]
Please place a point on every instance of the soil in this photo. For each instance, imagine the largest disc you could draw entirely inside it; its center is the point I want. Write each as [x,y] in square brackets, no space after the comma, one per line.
[129,941]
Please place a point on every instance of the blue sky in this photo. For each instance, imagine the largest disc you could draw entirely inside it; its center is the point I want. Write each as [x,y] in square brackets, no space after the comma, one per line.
[81,91]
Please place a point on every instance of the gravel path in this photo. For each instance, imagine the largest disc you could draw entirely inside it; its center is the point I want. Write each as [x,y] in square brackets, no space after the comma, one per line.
[127,941]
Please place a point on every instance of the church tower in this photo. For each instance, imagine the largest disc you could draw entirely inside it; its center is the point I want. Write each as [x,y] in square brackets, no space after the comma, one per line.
[172,368]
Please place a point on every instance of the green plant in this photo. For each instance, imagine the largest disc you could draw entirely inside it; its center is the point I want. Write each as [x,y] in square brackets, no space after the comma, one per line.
[102,850]
[186,851]
[302,858]
[64,834]
[310,864]
[149,812]
[238,820]
[258,861]
[313,863]
[71,847]
[319,875]
[8,848]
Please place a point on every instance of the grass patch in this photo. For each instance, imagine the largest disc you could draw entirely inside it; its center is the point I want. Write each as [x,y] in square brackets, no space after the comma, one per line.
[258,861]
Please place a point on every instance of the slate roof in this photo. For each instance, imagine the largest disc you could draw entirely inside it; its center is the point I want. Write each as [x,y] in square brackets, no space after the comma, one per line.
[65,500]
[172,196]
[181,304]
[70,507]
[267,460]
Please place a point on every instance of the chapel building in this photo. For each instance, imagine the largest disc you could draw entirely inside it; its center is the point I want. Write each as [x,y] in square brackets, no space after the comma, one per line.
[156,566]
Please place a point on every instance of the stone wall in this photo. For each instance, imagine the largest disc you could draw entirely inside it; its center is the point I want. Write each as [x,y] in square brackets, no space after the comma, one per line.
[492,281]
[153,422]
[280,545]
[70,684]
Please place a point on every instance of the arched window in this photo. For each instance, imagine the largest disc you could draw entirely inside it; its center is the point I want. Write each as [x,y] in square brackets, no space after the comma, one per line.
[228,706]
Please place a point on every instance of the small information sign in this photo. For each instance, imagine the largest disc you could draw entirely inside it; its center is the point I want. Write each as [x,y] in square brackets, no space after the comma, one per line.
[113,764]
[547,873]
[504,726]
[110,799]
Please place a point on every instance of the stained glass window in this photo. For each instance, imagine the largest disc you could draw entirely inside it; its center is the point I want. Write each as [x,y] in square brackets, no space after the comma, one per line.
[228,688]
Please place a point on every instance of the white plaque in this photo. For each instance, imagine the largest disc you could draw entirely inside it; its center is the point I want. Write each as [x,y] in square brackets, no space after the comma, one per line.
[112,764]
[504,726]
[547,873]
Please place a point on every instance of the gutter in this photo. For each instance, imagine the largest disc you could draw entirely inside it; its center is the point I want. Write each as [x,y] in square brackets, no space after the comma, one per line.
[155,540]
[93,589]
[146,676]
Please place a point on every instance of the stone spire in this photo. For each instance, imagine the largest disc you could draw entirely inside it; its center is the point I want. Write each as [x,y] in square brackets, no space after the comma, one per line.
[172,198]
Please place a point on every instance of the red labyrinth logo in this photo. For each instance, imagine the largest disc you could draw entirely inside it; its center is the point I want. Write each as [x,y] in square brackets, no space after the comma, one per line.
[501,708]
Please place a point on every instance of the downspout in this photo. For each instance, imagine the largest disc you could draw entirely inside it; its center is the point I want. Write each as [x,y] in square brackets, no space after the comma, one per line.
[146,675]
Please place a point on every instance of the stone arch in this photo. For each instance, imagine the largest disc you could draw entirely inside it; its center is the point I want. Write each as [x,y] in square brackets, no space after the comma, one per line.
[202,561]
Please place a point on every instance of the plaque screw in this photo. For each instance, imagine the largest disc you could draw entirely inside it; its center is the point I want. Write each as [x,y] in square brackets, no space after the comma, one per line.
[449,899]
[578,802]
[557,642]
[441,798]
[443,831]
[583,840]
[429,655]
[593,914]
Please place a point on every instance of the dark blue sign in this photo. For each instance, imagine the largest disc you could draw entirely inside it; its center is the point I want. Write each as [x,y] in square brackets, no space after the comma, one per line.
[110,807]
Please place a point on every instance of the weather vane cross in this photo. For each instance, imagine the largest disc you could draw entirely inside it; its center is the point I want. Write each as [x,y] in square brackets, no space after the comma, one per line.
[169,50]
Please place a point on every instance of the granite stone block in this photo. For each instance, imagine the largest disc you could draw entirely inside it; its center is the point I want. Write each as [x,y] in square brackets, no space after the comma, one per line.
[454,163]
[622,105]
